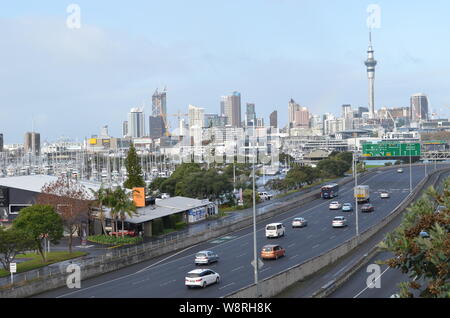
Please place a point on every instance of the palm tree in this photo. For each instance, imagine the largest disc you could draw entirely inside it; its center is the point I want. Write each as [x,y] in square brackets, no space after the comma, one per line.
[103,197]
[122,206]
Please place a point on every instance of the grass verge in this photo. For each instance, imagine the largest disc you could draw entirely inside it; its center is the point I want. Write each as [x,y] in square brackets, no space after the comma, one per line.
[36,261]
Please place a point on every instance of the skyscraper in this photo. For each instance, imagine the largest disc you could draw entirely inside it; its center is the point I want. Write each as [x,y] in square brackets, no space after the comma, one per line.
[232,109]
[196,116]
[125,128]
[250,115]
[292,108]
[159,103]
[419,107]
[136,123]
[32,143]
[370,64]
[156,127]
[274,119]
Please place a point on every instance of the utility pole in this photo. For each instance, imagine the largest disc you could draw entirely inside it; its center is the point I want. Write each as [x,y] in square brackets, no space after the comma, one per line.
[255,253]
[356,184]
[410,170]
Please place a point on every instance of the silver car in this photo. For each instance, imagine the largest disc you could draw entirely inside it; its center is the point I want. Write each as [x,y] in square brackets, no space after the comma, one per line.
[206,257]
[299,222]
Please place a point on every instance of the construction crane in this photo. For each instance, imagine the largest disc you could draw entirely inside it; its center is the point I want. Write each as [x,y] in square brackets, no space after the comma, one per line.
[166,122]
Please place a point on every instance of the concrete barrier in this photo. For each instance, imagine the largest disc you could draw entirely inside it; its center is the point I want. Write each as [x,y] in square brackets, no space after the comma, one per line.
[275,284]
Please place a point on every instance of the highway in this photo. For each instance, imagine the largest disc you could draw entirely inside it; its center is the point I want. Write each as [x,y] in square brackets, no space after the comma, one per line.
[389,278]
[164,277]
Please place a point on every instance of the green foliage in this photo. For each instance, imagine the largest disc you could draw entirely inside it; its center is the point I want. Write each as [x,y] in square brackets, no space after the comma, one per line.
[333,167]
[134,170]
[424,259]
[12,242]
[113,240]
[247,196]
[39,220]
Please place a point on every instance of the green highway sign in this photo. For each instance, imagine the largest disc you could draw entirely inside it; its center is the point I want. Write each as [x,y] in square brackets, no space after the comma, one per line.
[389,149]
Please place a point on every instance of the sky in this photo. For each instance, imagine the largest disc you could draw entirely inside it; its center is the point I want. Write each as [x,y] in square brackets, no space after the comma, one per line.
[72,81]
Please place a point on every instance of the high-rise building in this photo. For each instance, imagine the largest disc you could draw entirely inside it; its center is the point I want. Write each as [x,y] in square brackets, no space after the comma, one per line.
[250,115]
[214,120]
[104,131]
[292,108]
[159,103]
[419,107]
[125,128]
[32,143]
[1,142]
[232,109]
[156,127]
[136,128]
[302,118]
[274,119]
[196,116]
[370,64]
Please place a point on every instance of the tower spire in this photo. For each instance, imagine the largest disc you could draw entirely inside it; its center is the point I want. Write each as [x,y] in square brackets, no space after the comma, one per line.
[370,64]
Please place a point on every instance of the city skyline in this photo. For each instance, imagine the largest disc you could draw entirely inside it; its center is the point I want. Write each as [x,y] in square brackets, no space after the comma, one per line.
[95,96]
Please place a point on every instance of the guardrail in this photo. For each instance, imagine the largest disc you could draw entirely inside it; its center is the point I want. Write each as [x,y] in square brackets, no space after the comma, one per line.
[275,284]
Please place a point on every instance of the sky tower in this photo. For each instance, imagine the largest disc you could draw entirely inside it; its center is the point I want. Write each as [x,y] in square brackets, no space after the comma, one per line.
[371,63]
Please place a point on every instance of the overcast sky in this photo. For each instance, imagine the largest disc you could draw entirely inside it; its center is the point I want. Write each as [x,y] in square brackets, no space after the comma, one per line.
[73,81]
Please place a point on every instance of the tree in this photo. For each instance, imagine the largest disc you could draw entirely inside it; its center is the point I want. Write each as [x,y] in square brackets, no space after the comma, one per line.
[12,242]
[38,222]
[424,259]
[102,198]
[121,205]
[134,170]
[70,199]
[247,196]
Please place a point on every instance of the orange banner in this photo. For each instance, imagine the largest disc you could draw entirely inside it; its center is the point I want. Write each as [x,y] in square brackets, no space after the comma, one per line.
[139,197]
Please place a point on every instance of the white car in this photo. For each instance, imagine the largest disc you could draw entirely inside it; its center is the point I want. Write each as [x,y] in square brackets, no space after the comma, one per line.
[201,278]
[275,230]
[264,196]
[384,194]
[400,170]
[339,221]
[335,205]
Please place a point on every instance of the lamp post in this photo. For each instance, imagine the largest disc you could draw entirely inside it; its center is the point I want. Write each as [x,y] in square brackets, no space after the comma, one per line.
[255,253]
[410,170]
[354,191]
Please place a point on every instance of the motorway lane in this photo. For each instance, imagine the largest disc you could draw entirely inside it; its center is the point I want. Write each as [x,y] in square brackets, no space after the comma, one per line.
[356,286]
[167,279]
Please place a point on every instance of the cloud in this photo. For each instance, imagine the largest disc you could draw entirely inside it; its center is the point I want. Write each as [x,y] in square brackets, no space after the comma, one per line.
[74,76]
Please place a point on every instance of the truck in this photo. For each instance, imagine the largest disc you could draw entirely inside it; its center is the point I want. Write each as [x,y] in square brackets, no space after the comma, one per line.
[362,193]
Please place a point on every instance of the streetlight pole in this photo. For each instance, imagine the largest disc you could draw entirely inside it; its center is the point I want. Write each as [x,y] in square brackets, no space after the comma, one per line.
[354,191]
[255,253]
[410,170]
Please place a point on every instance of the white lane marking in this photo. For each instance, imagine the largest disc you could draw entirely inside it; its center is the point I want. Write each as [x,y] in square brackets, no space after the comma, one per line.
[181,267]
[316,246]
[165,259]
[169,282]
[241,255]
[293,256]
[267,268]
[332,237]
[231,284]
[236,269]
[291,245]
[362,291]
[140,281]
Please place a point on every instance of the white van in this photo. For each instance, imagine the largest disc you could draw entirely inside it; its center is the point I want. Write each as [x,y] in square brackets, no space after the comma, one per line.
[275,230]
